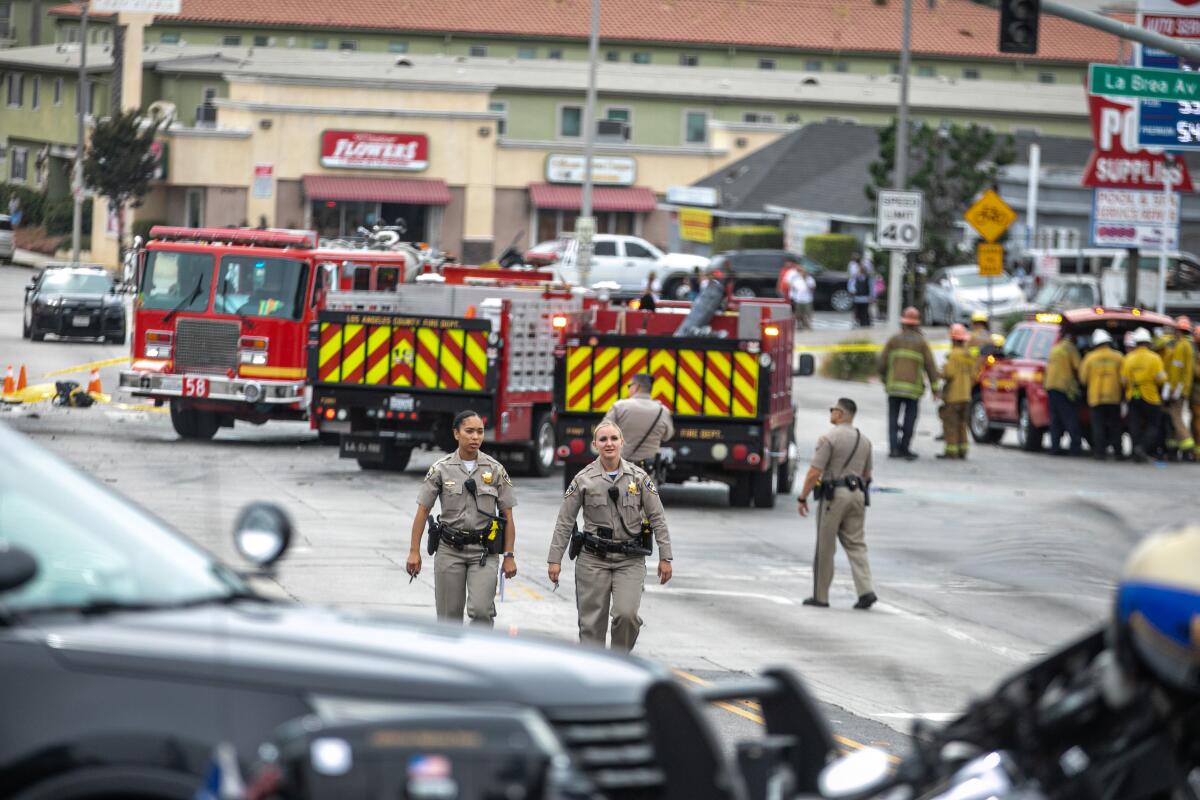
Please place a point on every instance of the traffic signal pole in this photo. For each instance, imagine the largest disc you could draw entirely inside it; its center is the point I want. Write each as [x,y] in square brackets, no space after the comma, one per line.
[896,274]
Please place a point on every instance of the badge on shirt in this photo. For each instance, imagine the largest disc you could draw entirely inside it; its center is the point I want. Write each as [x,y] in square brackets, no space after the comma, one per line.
[650,487]
[487,478]
[632,488]
[571,489]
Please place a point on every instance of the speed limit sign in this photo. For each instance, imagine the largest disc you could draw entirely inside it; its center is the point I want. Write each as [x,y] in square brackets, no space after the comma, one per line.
[898,225]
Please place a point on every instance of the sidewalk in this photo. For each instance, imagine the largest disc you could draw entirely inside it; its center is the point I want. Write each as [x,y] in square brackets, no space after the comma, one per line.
[30,260]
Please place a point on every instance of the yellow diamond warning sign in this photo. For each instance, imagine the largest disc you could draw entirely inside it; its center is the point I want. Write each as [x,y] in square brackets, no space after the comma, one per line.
[990,215]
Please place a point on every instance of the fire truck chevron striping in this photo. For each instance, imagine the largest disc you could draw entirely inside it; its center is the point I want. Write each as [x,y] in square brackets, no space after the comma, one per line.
[406,354]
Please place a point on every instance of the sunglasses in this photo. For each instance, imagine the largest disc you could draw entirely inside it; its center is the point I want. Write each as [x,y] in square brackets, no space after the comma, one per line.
[835,408]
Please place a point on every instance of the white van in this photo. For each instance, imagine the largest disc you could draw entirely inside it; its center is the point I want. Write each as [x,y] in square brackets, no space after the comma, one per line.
[1107,269]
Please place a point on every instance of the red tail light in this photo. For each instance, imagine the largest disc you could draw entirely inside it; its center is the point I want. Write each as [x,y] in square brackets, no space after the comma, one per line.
[577,446]
[739,452]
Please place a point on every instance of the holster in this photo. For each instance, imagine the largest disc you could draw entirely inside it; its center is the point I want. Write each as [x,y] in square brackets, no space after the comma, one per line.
[576,542]
[494,540]
[647,537]
[435,535]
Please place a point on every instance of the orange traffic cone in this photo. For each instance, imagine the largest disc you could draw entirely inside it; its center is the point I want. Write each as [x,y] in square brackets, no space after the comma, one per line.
[8,381]
[21,382]
[93,386]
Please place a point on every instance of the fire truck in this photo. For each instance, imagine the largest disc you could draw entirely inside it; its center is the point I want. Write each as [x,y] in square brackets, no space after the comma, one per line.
[728,388]
[221,320]
[389,374]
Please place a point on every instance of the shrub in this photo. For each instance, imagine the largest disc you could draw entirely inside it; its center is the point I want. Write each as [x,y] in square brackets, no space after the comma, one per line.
[832,250]
[60,215]
[854,365]
[745,237]
[32,202]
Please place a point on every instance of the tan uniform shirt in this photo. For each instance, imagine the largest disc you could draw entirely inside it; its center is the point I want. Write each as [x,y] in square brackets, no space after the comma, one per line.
[635,416]
[637,498]
[833,457]
[447,479]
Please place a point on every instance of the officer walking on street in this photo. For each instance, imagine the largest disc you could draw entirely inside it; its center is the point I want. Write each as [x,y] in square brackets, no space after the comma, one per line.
[1142,373]
[647,422]
[839,478]
[1062,389]
[621,511]
[1100,372]
[904,364]
[475,528]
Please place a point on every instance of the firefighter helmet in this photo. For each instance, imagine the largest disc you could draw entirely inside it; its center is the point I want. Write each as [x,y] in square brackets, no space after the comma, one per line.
[958,332]
[1183,324]
[910,316]
[1141,336]
[979,316]
[1100,336]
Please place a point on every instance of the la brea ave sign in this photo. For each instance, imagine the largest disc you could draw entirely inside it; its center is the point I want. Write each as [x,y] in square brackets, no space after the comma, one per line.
[1150,84]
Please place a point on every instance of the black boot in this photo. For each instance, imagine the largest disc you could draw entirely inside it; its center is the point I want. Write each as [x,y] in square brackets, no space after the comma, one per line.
[866,601]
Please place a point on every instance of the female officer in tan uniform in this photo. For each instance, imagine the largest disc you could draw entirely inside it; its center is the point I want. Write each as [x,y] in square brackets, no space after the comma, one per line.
[611,569]
[477,502]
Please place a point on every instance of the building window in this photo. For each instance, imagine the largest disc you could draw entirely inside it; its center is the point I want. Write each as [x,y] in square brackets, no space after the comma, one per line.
[348,45]
[1047,77]
[320,44]
[210,94]
[620,114]
[841,66]
[397,47]
[58,91]
[766,63]
[36,93]
[70,33]
[570,122]
[231,41]
[814,65]
[612,55]
[793,119]
[500,107]
[169,37]
[526,52]
[760,117]
[554,54]
[262,41]
[477,51]
[641,58]
[16,89]
[970,74]
[19,164]
[695,127]
[895,69]
[689,60]
[926,72]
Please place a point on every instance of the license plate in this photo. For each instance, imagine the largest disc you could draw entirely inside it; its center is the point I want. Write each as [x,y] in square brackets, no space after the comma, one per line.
[402,402]
[81,320]
[366,449]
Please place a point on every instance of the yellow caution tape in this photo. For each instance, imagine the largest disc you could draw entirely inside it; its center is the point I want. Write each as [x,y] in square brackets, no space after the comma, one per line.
[855,347]
[108,362]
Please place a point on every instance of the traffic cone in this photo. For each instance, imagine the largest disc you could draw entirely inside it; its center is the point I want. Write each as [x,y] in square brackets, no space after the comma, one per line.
[93,386]
[21,382]
[8,381]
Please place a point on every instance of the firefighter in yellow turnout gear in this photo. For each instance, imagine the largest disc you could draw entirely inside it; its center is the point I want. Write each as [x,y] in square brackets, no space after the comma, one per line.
[1179,356]
[1142,373]
[959,375]
[1195,394]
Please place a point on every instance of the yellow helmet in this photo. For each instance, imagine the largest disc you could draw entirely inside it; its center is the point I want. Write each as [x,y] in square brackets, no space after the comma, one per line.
[979,316]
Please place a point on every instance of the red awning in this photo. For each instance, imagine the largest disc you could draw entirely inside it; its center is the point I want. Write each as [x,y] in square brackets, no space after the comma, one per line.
[377,190]
[638,199]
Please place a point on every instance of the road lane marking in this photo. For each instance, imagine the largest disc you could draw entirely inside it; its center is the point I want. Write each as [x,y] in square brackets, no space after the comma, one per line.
[770,598]
[746,714]
[108,362]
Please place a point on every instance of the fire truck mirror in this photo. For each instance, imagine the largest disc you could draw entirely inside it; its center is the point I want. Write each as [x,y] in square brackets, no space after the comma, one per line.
[262,534]
[804,366]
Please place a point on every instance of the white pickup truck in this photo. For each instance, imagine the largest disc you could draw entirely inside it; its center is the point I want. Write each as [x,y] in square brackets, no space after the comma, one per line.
[1096,277]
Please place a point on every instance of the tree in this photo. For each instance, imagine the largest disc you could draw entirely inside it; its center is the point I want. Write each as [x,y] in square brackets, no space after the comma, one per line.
[950,164]
[120,163]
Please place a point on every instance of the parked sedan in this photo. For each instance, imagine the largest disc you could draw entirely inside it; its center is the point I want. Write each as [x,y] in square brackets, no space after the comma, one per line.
[756,274]
[74,301]
[7,243]
[954,293]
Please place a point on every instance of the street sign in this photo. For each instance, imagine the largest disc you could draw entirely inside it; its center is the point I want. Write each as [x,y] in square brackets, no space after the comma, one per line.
[990,216]
[137,6]
[1151,84]
[1173,126]
[1118,162]
[1125,219]
[990,258]
[898,220]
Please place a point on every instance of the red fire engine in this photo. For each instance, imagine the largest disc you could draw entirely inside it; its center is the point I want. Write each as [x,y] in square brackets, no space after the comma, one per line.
[729,388]
[390,373]
[221,320]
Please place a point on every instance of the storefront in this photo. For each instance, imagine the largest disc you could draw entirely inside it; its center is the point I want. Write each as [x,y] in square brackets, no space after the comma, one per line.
[338,206]
[618,205]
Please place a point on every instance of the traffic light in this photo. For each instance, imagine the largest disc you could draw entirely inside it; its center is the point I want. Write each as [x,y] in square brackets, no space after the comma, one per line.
[1019,26]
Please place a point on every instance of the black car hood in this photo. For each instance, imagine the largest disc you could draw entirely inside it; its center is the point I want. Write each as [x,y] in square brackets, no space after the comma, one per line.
[348,654]
[79,299]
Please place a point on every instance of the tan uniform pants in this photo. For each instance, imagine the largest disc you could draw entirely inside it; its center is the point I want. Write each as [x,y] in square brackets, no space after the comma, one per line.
[954,427]
[1178,432]
[841,520]
[604,585]
[460,582]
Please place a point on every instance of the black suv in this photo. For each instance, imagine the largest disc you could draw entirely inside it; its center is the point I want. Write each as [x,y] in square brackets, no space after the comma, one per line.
[127,654]
[71,300]
[756,273]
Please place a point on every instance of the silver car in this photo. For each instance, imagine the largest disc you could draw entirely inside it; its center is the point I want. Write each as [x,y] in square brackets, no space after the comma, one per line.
[7,245]
[954,293]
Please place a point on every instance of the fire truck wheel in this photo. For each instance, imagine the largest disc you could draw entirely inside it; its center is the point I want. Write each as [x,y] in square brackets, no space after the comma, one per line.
[1029,436]
[981,430]
[764,488]
[739,490]
[569,473]
[329,439]
[192,424]
[395,460]
[541,452]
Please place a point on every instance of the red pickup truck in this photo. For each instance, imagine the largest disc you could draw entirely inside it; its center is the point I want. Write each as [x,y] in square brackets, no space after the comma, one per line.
[1010,392]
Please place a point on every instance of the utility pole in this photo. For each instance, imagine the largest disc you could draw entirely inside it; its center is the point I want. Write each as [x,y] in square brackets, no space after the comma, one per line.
[1168,166]
[585,223]
[81,107]
[896,276]
[1031,199]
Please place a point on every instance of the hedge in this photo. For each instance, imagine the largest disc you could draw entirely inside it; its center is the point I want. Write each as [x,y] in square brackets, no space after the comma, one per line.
[851,366]
[746,237]
[56,215]
[832,250]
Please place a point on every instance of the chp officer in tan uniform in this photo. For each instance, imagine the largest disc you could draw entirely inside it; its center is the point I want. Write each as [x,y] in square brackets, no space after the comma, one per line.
[842,464]
[476,525]
[610,573]
[645,422]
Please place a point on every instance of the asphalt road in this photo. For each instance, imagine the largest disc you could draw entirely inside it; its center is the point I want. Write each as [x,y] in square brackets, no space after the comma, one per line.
[980,566]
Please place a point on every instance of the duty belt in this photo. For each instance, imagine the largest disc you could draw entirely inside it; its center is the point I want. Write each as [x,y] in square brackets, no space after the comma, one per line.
[460,539]
[603,548]
[848,482]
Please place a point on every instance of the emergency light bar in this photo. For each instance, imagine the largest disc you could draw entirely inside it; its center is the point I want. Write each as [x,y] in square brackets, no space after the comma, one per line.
[235,236]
